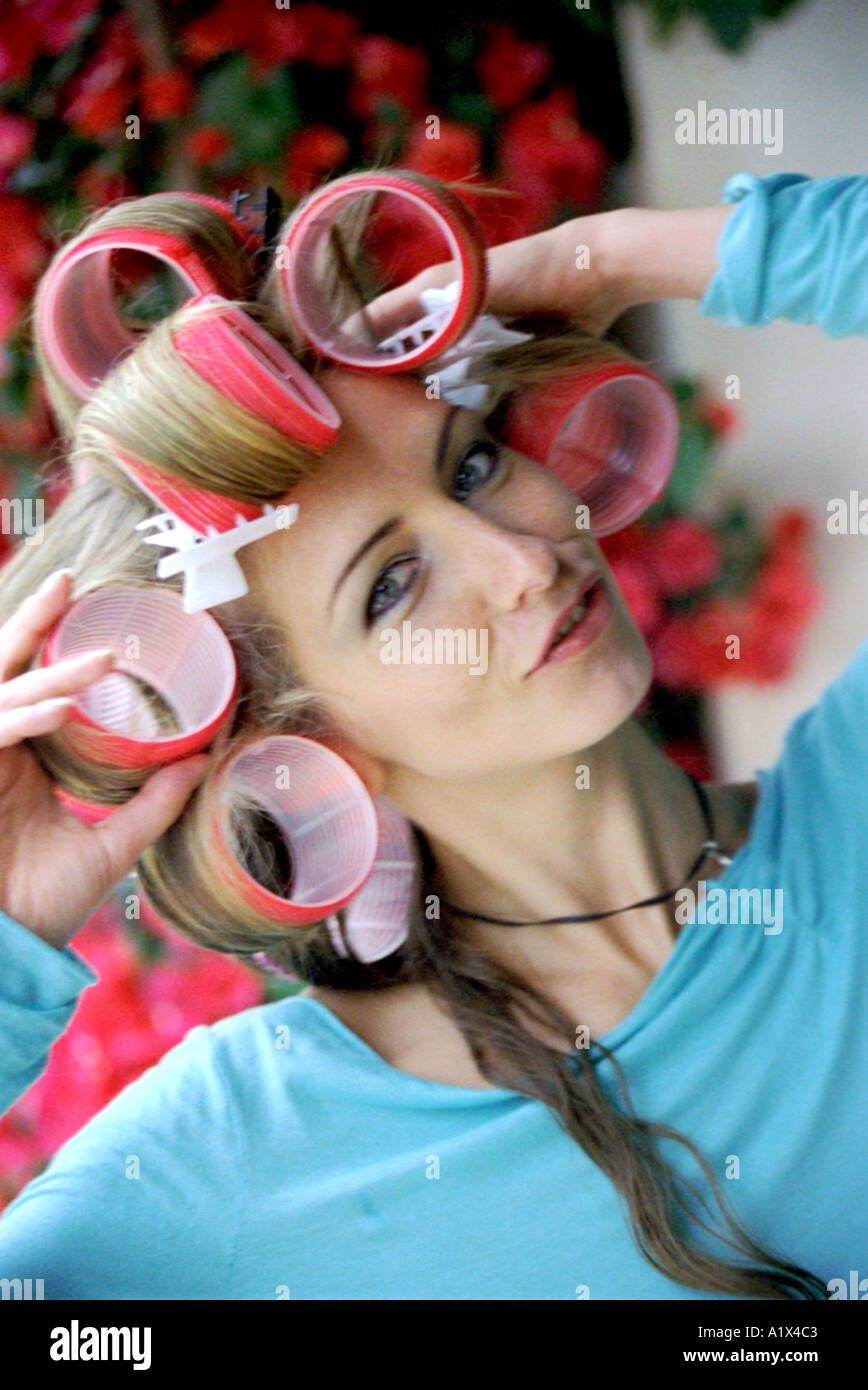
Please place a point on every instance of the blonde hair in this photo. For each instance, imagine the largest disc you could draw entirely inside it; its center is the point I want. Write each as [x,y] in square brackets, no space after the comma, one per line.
[152,406]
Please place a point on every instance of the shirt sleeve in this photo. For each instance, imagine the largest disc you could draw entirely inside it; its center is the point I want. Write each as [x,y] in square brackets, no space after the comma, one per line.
[144,1201]
[794,248]
[819,821]
[39,990]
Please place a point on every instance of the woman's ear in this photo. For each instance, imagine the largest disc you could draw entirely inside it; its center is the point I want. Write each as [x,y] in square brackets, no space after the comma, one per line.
[369,768]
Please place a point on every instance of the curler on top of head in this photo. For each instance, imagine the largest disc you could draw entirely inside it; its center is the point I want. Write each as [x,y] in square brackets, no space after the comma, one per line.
[173,685]
[78,321]
[311,239]
[609,431]
[316,815]
[242,361]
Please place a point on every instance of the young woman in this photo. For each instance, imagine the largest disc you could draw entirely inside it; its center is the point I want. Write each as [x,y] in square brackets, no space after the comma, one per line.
[435,1127]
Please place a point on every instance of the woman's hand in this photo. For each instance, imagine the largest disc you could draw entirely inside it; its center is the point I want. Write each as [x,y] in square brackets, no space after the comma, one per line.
[567,272]
[587,271]
[54,871]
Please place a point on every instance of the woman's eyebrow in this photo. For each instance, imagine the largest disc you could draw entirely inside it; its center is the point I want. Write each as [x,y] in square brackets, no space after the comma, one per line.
[395,521]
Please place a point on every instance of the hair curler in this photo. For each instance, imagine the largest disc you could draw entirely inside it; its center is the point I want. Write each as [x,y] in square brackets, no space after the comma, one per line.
[77,317]
[242,361]
[609,431]
[322,814]
[376,919]
[238,358]
[185,661]
[300,250]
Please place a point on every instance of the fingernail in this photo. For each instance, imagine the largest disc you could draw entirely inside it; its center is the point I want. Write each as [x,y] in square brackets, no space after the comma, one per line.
[51,580]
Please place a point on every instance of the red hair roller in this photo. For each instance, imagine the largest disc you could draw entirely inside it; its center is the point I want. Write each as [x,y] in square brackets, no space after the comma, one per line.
[300,249]
[323,813]
[186,660]
[77,318]
[609,432]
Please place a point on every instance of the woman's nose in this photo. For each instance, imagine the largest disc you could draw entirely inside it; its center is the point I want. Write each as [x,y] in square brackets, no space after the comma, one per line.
[510,566]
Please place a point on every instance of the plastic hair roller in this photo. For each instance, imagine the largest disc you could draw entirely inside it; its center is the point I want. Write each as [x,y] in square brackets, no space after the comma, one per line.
[322,815]
[242,361]
[238,358]
[77,317]
[610,432]
[301,254]
[172,688]
[376,920]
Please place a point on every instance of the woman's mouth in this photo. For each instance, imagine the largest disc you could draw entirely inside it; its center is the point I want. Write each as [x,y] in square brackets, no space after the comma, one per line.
[581,626]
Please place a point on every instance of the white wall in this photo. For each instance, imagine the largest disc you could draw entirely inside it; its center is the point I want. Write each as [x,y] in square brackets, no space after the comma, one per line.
[804,397]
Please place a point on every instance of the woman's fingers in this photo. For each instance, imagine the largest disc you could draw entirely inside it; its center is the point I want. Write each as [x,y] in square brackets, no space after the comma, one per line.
[30,720]
[399,307]
[129,830]
[22,632]
[63,678]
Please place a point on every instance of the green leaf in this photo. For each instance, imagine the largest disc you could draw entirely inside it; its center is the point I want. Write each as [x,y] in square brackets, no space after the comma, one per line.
[690,469]
[259,120]
[471,108]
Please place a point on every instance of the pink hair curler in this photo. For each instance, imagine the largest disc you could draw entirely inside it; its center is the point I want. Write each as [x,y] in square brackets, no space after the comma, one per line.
[186,660]
[300,251]
[238,358]
[376,919]
[77,318]
[246,364]
[323,813]
[609,432]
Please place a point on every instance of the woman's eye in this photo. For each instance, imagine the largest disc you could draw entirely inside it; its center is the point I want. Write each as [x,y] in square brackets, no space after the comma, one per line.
[389,587]
[476,467]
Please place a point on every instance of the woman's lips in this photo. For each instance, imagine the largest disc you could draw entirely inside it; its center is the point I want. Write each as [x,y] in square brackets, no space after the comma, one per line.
[597,615]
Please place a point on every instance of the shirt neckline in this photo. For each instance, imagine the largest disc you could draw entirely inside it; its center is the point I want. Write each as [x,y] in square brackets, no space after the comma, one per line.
[609,1040]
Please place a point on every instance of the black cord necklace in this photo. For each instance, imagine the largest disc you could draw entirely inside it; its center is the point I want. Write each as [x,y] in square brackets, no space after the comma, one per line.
[710,848]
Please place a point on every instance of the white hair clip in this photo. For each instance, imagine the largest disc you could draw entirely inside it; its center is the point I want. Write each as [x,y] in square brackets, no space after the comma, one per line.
[452,366]
[211,573]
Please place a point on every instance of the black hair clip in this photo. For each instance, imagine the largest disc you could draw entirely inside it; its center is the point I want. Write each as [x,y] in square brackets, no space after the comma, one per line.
[270,204]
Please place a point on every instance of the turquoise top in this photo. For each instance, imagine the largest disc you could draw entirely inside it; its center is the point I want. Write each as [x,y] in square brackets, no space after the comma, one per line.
[280,1156]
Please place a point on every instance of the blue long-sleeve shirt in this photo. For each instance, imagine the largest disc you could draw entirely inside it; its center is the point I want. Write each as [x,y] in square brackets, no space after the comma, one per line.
[280,1156]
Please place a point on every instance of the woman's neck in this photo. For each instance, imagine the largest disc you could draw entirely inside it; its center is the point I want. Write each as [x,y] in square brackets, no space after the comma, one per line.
[552,841]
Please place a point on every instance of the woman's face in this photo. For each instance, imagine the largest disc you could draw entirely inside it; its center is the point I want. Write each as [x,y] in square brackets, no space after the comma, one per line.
[417,519]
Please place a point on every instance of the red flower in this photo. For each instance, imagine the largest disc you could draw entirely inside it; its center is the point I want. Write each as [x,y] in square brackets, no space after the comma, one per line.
[511,68]
[16,139]
[315,34]
[314,152]
[59,21]
[19,43]
[166,95]
[791,527]
[722,418]
[28,433]
[99,186]
[640,591]
[23,257]
[550,159]
[385,69]
[228,28]
[690,650]
[684,554]
[207,144]
[454,153]
[104,92]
